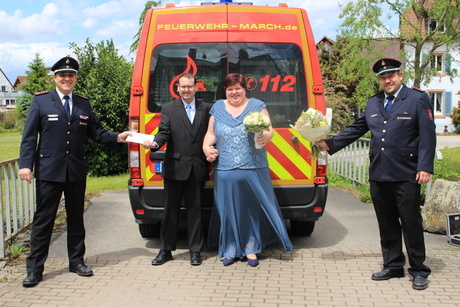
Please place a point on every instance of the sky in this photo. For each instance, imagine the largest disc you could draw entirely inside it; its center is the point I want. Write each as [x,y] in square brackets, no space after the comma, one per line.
[28,27]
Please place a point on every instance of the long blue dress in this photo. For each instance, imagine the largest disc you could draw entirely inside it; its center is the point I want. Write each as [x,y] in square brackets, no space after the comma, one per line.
[245,206]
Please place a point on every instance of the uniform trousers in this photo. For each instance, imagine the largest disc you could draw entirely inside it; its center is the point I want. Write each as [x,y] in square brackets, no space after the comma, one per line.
[190,193]
[48,198]
[397,207]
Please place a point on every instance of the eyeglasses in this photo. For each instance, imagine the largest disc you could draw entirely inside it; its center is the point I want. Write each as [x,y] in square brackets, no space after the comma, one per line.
[188,87]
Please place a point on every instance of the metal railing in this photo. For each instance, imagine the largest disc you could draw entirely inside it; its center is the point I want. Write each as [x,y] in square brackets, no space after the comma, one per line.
[352,162]
[17,202]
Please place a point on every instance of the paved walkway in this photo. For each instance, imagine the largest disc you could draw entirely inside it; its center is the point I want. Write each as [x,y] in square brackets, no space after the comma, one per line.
[443,141]
[308,277]
[321,271]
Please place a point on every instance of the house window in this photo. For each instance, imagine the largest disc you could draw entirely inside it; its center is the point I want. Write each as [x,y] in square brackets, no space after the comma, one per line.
[437,101]
[433,25]
[437,63]
[3,88]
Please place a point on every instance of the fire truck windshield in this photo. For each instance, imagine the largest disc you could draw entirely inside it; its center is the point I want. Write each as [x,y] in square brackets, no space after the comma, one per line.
[274,74]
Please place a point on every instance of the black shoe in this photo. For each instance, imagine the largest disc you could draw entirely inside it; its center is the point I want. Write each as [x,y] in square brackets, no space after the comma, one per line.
[387,274]
[419,283]
[81,270]
[195,258]
[162,257]
[31,280]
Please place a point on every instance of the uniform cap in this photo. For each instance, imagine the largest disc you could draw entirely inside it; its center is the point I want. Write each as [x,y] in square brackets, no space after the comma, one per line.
[66,64]
[386,66]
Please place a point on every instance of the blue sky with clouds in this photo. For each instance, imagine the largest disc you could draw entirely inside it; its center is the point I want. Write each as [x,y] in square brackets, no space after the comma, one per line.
[48,27]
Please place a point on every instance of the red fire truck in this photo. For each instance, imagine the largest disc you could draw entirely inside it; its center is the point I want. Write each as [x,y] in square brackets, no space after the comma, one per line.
[274,48]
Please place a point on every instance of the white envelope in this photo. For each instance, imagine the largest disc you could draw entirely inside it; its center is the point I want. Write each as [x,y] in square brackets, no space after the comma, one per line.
[140,138]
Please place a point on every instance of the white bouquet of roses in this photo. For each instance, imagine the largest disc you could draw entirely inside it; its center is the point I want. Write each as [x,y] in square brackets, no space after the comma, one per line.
[256,122]
[314,126]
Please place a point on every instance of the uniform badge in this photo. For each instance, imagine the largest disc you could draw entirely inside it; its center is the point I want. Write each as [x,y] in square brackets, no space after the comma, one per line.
[374,115]
[429,114]
[84,117]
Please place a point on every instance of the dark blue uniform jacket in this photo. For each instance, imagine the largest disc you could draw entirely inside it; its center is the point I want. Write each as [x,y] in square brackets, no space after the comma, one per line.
[52,144]
[403,141]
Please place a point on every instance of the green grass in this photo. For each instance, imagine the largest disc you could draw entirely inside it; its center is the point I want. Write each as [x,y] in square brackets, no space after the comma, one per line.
[96,185]
[452,156]
[9,145]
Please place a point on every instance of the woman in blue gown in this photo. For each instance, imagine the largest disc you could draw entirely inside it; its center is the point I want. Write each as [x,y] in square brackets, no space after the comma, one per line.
[246,216]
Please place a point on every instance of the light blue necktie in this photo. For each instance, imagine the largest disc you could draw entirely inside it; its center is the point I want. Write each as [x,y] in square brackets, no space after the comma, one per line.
[67,106]
[188,108]
[389,103]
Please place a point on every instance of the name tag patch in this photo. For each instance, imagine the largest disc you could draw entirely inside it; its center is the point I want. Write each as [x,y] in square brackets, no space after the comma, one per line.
[404,116]
[53,117]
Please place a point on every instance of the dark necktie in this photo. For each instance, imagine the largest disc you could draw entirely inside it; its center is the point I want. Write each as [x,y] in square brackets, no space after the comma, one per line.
[67,106]
[389,103]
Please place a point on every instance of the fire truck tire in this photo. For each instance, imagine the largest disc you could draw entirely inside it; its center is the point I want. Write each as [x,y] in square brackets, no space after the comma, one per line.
[302,228]
[150,230]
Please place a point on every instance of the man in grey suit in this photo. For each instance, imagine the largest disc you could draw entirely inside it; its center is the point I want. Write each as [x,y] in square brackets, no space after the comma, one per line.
[183,125]
[57,126]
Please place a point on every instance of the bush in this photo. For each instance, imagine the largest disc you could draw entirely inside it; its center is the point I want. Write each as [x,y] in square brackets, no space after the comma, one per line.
[105,78]
[455,115]
[9,124]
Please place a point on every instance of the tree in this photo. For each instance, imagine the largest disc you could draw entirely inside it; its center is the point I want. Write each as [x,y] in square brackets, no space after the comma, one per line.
[424,26]
[37,80]
[105,78]
[336,92]
[347,67]
[148,5]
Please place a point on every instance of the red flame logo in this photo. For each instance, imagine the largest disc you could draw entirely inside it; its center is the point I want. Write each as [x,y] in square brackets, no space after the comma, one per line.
[191,68]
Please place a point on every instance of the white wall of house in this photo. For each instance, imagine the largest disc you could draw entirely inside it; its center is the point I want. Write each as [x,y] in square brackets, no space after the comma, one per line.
[8,95]
[445,93]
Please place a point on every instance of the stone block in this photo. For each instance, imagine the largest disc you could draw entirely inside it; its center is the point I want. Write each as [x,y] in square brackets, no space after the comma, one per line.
[444,198]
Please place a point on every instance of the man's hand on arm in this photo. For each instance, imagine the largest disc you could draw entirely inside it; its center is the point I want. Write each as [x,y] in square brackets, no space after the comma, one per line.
[150,144]
[322,145]
[25,174]
[123,136]
[423,177]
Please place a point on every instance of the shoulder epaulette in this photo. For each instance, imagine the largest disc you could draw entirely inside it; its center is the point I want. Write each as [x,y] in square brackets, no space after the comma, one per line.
[377,94]
[41,93]
[81,96]
[417,89]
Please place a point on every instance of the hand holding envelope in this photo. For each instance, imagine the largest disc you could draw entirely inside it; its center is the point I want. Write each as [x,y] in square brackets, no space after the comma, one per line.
[141,138]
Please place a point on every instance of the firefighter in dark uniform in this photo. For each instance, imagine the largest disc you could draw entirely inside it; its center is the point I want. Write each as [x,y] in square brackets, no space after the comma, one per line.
[57,125]
[401,159]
